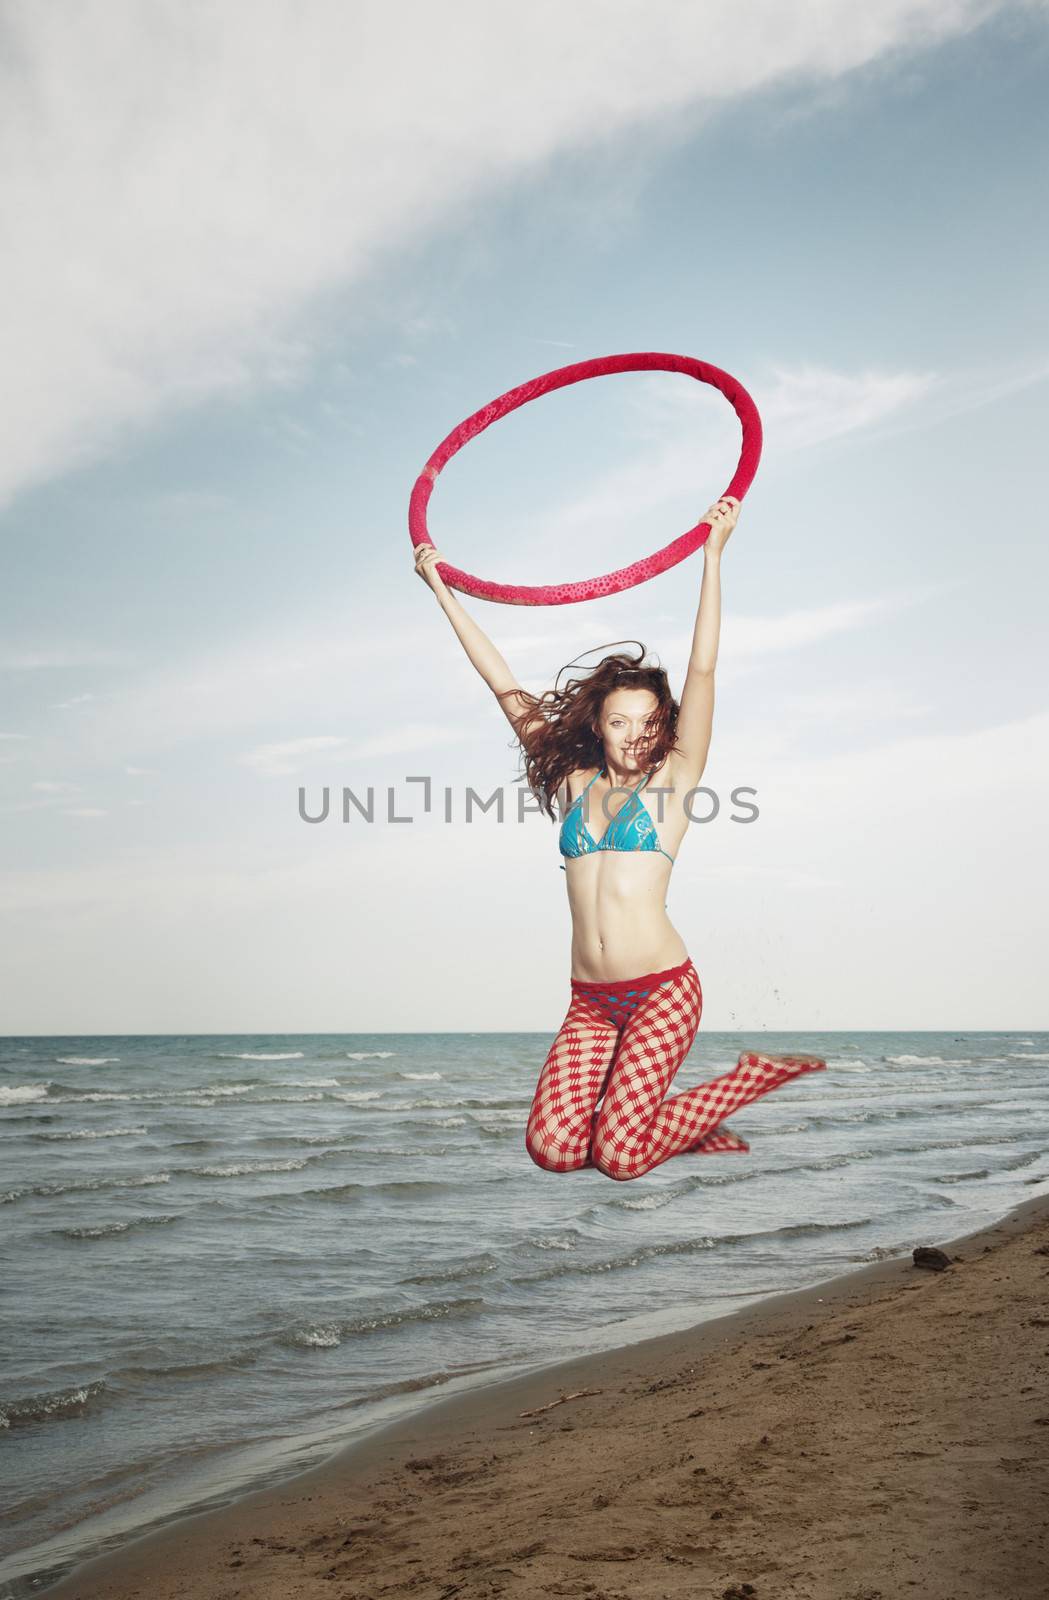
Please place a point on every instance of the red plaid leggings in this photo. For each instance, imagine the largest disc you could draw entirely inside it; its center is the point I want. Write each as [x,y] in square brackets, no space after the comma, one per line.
[625,1040]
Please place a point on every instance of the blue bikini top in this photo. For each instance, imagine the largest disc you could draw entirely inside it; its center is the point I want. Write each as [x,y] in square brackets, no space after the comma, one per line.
[631,828]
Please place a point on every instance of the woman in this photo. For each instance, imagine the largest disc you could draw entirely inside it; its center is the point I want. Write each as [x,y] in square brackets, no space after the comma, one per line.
[636,999]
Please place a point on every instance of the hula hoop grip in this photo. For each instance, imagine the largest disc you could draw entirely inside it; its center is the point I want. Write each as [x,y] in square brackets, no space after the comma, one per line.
[577,372]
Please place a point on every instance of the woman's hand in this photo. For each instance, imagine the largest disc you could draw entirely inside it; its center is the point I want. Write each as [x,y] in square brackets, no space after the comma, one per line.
[722,517]
[426,559]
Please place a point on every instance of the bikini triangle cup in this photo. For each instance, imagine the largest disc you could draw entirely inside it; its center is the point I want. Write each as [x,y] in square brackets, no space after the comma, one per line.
[631,829]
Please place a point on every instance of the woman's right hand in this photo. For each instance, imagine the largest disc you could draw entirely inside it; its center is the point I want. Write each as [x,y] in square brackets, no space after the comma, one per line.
[721,518]
[426,559]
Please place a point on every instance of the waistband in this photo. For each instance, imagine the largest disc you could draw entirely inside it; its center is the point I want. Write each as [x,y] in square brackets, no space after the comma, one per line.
[619,985]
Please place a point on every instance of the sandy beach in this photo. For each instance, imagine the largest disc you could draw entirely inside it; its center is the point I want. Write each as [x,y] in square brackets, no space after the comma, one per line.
[883,1433]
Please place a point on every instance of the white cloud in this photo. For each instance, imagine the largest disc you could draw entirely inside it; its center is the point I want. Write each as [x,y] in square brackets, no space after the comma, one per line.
[747,640]
[306,671]
[288,755]
[74,700]
[414,736]
[24,660]
[694,437]
[864,700]
[182,185]
[898,886]
[298,669]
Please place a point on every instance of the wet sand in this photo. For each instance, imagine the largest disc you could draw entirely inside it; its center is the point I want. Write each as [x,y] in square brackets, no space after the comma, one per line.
[881,1434]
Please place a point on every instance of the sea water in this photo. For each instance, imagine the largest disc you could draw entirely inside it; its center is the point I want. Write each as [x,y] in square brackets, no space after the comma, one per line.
[224,1257]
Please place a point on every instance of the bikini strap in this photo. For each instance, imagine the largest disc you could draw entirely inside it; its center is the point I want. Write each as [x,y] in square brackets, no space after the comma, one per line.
[582,791]
[586,788]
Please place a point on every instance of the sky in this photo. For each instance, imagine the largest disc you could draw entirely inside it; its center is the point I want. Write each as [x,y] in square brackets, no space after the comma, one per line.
[260,259]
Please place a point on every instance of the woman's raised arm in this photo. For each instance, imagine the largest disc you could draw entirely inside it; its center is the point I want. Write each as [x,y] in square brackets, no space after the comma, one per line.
[480,649]
[695,718]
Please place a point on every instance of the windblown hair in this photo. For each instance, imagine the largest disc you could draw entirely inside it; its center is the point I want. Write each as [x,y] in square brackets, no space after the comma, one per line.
[556,728]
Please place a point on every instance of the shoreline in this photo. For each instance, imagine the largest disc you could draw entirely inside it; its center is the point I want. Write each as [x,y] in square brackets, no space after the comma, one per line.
[554,1502]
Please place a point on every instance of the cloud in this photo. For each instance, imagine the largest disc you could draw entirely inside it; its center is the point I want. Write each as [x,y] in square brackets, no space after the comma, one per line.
[74,700]
[61,657]
[184,185]
[693,437]
[747,640]
[289,755]
[749,637]
[683,436]
[899,796]
[298,668]
[414,736]
[304,671]
[863,700]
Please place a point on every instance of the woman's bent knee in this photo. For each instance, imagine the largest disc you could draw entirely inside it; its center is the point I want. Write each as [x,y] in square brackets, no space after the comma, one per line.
[552,1157]
[612,1164]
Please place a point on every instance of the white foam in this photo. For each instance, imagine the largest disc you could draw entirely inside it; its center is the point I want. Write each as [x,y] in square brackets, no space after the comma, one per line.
[250,1055]
[85,1061]
[918,1061]
[22,1094]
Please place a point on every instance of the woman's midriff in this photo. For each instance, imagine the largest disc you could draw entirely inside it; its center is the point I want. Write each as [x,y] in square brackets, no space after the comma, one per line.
[620,928]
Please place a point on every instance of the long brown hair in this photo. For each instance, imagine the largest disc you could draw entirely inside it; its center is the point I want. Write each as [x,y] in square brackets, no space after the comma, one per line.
[556,728]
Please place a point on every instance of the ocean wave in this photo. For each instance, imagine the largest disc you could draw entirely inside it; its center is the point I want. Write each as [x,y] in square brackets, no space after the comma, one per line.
[455,1271]
[259,1055]
[188,1369]
[22,1093]
[106,1229]
[468,1104]
[333,1191]
[920,1061]
[54,1405]
[683,1247]
[394,1186]
[247,1094]
[328,1335]
[84,1185]
[369,1055]
[85,1061]
[567,1238]
[240,1169]
[91,1133]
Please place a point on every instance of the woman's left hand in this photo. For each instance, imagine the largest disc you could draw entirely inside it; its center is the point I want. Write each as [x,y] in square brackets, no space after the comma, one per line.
[722,517]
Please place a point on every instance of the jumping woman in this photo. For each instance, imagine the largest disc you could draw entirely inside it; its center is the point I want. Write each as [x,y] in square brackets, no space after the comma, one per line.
[636,999]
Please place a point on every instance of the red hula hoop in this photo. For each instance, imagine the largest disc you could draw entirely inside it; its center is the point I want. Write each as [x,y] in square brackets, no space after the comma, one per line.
[559,594]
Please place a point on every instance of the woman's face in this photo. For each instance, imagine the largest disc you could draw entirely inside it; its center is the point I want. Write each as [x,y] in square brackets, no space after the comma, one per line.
[628,722]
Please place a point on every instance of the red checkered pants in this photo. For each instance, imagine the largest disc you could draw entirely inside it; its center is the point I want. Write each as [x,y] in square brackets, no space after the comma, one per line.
[625,1040]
